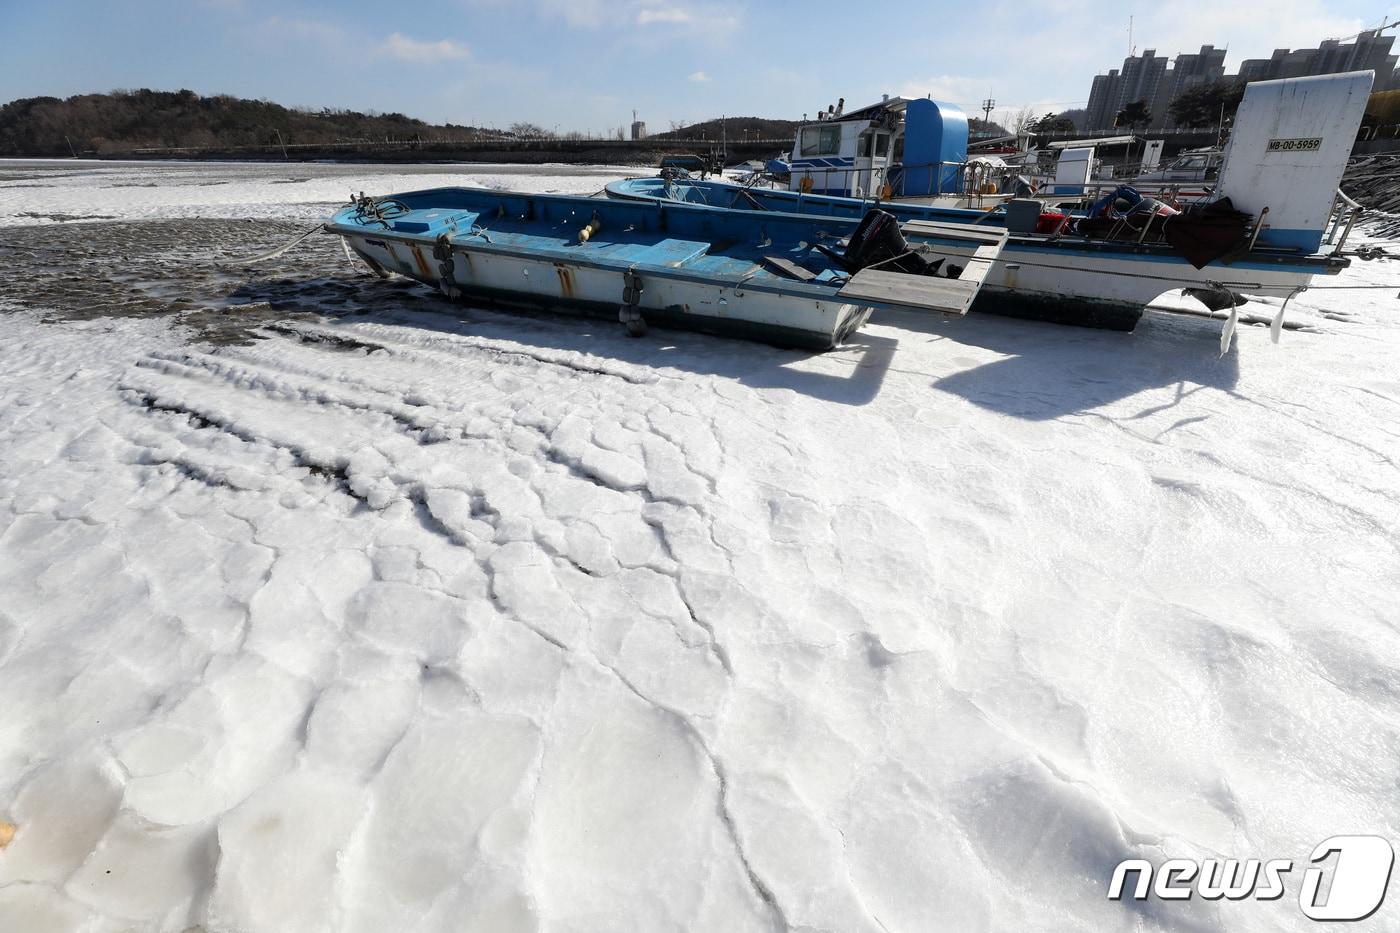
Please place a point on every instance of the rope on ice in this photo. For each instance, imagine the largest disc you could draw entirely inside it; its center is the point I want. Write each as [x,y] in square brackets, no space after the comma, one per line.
[274,253]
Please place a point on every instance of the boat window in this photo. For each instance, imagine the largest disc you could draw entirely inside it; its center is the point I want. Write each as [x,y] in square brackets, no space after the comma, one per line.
[820,140]
[882,143]
[863,145]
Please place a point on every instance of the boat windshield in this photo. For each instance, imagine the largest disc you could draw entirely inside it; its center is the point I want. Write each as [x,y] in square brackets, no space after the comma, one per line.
[820,140]
[1191,163]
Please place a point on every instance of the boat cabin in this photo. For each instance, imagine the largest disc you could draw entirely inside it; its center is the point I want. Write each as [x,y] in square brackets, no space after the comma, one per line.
[900,147]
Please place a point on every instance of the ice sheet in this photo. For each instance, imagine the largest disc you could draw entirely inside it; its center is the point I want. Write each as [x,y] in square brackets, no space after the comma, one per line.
[39,191]
[476,621]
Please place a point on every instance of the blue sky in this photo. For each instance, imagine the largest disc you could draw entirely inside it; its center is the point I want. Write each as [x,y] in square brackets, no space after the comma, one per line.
[585,64]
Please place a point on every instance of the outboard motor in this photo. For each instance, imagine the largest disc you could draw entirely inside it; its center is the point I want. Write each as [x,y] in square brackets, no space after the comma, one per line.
[878,241]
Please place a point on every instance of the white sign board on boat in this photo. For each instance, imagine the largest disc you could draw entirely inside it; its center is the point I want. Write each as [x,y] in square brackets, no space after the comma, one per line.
[1309,144]
[1288,149]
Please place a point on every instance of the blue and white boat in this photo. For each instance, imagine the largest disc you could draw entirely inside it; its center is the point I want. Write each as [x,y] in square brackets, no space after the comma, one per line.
[784,278]
[900,147]
[1279,179]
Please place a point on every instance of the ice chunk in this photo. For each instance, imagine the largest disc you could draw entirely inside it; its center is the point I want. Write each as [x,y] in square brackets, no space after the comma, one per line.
[61,812]
[280,855]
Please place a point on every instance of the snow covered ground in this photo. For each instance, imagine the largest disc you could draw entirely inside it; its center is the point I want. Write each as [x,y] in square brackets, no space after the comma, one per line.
[37,191]
[406,616]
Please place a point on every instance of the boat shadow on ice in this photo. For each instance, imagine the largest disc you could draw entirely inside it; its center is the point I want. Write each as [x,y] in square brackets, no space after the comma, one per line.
[851,375]
[1048,370]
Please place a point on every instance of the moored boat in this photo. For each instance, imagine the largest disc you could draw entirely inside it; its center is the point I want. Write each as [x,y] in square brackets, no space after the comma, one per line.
[1276,218]
[783,278]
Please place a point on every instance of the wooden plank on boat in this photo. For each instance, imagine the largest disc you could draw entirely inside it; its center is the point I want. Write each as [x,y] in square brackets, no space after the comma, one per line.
[927,292]
[789,268]
[980,262]
[947,231]
[921,292]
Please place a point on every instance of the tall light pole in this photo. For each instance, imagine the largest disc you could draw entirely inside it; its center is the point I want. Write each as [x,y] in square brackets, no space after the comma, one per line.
[987,106]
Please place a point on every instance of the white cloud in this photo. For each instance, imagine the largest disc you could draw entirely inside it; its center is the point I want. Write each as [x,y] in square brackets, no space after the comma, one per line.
[416,50]
[699,76]
[579,14]
[590,14]
[1088,42]
[664,15]
[705,20]
[1291,24]
[955,89]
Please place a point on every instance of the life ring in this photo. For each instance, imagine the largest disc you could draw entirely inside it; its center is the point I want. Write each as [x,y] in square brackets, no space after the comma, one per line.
[805,185]
[886,192]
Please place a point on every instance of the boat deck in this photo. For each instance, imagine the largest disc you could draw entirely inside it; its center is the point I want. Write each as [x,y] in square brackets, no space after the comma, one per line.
[771,252]
[777,250]
[622,245]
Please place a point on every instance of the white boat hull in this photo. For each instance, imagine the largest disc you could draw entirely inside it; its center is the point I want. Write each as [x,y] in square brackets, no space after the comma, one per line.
[1111,287]
[673,300]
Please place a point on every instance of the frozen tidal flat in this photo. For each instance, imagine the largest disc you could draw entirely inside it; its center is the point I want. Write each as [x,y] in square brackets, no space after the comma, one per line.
[406,616]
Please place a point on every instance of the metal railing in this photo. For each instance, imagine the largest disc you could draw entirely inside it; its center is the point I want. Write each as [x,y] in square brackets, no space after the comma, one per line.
[1344,217]
[974,176]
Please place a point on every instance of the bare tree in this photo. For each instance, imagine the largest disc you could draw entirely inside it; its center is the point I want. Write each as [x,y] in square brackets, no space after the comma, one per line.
[1023,119]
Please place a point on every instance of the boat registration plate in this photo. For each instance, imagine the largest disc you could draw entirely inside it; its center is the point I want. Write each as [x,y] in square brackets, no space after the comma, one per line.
[1295,145]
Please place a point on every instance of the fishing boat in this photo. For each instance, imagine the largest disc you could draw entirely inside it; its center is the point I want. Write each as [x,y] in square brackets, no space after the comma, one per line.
[918,150]
[1276,218]
[898,148]
[783,278]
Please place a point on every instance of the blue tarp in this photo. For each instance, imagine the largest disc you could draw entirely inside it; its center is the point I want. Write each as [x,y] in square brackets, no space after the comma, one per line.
[935,134]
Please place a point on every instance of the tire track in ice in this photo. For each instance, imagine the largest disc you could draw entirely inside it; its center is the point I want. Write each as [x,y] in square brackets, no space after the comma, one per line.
[244,419]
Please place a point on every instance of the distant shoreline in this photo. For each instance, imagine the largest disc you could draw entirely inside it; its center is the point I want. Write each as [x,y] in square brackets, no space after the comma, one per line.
[532,152]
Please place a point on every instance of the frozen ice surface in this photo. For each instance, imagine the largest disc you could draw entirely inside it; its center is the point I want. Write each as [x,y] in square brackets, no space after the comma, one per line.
[491,622]
[40,191]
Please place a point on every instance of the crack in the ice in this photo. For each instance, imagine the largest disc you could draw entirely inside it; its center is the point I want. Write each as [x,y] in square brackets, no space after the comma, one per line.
[764,892]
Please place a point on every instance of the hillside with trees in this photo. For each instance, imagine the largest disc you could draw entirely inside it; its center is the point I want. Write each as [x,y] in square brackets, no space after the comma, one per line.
[735,128]
[121,121]
[1051,123]
[1383,109]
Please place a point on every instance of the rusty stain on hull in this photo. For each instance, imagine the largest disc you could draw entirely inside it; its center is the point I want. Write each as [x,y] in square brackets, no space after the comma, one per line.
[393,253]
[422,263]
[566,280]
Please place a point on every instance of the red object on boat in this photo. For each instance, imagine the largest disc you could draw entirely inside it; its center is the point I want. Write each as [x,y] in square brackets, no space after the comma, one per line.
[1050,221]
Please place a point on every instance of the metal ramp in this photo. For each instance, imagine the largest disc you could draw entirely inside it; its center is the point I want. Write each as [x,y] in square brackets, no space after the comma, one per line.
[927,292]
